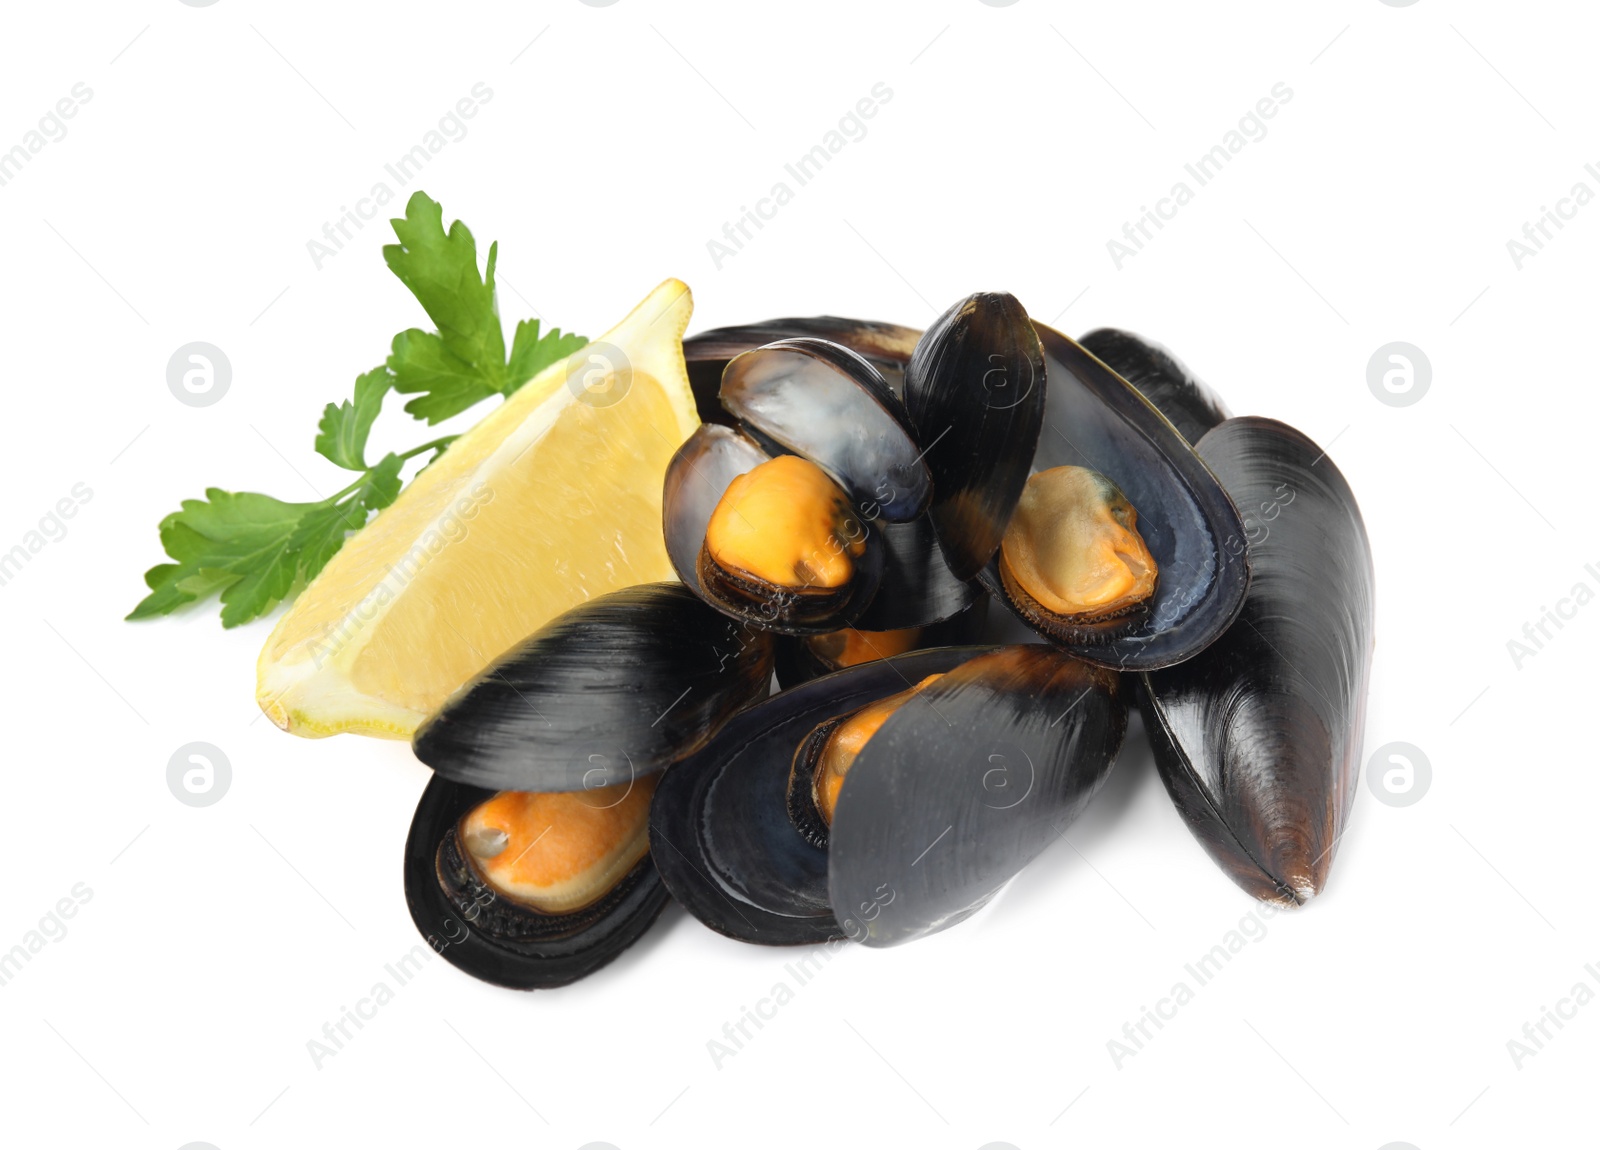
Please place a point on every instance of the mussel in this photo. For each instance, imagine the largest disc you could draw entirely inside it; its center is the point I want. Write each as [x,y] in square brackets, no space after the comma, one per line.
[1094,419]
[889,800]
[784,514]
[528,860]
[1258,737]
[490,879]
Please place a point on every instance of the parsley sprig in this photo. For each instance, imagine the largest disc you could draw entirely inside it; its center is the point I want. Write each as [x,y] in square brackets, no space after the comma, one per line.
[254,550]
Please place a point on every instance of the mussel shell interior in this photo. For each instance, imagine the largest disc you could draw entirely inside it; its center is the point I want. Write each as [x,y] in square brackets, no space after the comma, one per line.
[719,826]
[886,346]
[1093,418]
[825,402]
[559,951]
[1189,405]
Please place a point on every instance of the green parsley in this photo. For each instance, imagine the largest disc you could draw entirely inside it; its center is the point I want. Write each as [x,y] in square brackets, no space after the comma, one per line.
[255,551]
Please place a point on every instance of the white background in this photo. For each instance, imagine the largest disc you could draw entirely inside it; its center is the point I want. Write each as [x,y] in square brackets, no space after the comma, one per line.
[1018,141]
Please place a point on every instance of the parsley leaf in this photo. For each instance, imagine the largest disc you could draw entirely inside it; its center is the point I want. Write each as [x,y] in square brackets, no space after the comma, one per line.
[465,362]
[342,434]
[441,269]
[530,354]
[238,541]
[255,550]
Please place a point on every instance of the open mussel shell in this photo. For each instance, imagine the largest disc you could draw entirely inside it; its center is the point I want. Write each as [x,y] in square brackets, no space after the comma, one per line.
[696,480]
[966,784]
[825,402]
[1094,418]
[1258,737]
[886,346]
[513,947]
[615,688]
[1177,393]
[719,823]
[975,389]
[697,475]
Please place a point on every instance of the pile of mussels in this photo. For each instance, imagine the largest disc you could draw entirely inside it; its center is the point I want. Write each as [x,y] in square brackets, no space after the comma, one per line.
[863,506]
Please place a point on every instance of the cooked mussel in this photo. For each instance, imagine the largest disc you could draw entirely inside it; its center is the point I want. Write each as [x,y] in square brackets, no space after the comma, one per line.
[790,514]
[1096,420]
[785,549]
[812,816]
[1189,405]
[1072,561]
[612,690]
[1258,737]
[531,890]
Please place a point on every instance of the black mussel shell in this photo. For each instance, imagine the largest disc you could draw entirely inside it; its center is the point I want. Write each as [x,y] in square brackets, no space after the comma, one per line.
[1189,405]
[1094,418]
[964,786]
[719,824]
[616,688]
[975,388]
[1258,737]
[796,661]
[823,401]
[886,346]
[698,474]
[499,942]
[918,588]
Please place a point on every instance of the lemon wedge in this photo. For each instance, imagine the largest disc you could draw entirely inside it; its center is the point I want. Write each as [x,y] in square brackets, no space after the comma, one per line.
[555,497]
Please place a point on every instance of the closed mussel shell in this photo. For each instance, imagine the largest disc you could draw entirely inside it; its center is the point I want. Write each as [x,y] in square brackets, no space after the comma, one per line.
[964,785]
[614,689]
[1177,393]
[823,401]
[1258,737]
[720,827]
[975,389]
